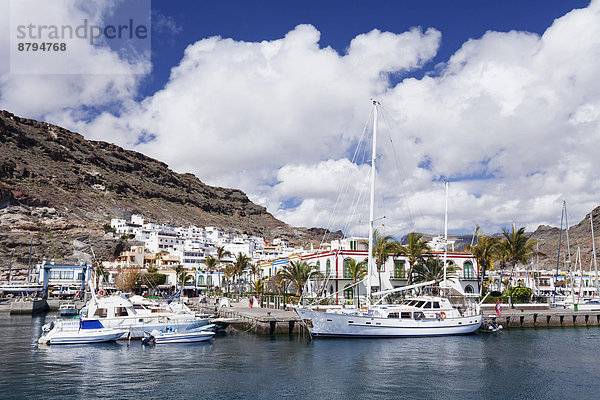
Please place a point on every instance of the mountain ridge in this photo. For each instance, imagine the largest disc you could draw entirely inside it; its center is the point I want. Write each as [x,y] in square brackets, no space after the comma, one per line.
[57,187]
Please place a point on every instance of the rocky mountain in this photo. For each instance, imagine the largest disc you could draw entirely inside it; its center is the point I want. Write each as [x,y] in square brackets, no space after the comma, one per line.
[580,236]
[58,189]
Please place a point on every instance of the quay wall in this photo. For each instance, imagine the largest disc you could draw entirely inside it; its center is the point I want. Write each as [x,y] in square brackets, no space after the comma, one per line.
[541,316]
[548,318]
[29,306]
[265,321]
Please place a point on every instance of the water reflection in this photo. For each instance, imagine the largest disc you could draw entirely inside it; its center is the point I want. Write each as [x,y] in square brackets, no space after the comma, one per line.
[533,364]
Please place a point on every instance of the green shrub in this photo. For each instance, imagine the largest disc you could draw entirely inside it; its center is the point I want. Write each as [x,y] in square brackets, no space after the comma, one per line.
[520,294]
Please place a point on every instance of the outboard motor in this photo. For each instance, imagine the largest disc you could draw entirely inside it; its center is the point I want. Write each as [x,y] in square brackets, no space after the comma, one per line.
[147,338]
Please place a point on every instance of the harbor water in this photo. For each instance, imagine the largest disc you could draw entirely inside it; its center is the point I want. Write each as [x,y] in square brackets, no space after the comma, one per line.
[555,363]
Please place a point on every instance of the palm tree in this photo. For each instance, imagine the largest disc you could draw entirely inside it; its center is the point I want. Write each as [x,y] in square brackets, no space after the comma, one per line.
[415,249]
[516,248]
[433,270]
[242,261]
[485,251]
[357,271]
[383,247]
[298,272]
[221,254]
[255,270]
[257,286]
[182,276]
[211,266]
[277,283]
[229,274]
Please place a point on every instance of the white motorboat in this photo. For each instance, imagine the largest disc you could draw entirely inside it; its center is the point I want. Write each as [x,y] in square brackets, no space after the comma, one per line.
[67,310]
[78,331]
[420,316]
[118,312]
[200,334]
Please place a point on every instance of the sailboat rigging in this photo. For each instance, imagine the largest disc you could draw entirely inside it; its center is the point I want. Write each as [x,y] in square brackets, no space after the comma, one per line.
[416,316]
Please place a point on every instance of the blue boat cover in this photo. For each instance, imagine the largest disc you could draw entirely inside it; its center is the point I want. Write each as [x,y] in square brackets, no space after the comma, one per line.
[90,324]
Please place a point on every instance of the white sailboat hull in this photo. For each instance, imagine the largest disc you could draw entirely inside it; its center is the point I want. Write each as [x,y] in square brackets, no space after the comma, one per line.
[323,324]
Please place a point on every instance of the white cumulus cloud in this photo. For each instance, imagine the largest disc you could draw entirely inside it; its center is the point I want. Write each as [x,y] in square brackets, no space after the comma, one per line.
[511,119]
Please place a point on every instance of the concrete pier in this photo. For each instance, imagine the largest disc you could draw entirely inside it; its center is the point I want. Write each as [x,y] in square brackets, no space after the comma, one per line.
[264,321]
[29,306]
[541,316]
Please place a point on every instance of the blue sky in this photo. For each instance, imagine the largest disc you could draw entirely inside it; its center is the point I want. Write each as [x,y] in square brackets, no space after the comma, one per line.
[502,97]
[340,21]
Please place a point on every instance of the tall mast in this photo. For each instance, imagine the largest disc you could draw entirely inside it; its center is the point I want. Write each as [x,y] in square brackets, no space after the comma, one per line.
[372,205]
[569,252]
[445,232]
[594,252]
[562,214]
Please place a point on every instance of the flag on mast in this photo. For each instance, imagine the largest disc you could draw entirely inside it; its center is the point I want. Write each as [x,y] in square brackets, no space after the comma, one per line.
[498,308]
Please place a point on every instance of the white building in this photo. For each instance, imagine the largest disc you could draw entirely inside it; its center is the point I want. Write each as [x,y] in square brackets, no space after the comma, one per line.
[240,245]
[165,241]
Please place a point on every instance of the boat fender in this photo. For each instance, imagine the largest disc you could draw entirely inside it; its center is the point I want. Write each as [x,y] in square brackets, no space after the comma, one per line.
[101,292]
[442,315]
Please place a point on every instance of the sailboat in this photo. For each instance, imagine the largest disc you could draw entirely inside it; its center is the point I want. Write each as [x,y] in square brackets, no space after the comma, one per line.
[415,316]
[594,303]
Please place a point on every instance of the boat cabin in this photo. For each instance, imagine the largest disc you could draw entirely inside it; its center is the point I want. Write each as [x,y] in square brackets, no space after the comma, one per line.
[420,308]
[110,307]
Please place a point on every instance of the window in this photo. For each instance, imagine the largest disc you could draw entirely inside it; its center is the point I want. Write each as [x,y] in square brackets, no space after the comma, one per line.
[328,267]
[427,305]
[318,265]
[349,293]
[200,280]
[63,275]
[468,270]
[436,304]
[80,276]
[120,311]
[347,273]
[419,304]
[100,312]
[404,314]
[393,315]
[209,280]
[399,269]
[469,289]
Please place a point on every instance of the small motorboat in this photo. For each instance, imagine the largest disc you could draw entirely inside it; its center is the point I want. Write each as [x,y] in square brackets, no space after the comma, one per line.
[68,310]
[490,325]
[170,335]
[78,331]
